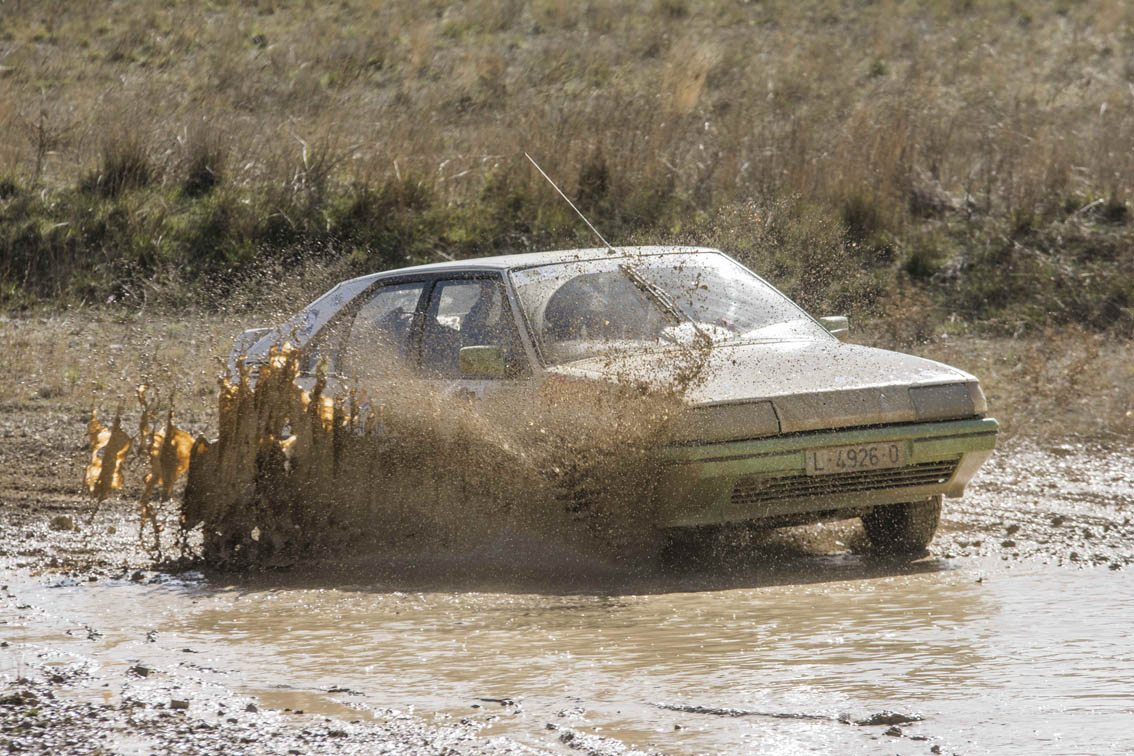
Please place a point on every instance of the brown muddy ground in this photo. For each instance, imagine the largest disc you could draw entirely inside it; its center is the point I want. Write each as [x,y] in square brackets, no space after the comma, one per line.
[84,676]
[1066,506]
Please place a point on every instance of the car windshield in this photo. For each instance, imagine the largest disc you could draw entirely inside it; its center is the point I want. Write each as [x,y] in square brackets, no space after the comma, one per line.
[584,309]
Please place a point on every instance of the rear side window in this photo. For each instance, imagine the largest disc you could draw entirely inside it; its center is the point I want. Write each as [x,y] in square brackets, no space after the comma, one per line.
[380,335]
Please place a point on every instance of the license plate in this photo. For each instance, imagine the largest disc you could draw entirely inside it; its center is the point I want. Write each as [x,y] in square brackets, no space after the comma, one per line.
[843,459]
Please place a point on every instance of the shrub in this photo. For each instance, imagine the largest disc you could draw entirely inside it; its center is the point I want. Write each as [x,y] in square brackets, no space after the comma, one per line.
[125,164]
[204,160]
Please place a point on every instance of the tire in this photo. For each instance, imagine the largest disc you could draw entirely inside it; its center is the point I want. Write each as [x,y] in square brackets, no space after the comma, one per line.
[902,528]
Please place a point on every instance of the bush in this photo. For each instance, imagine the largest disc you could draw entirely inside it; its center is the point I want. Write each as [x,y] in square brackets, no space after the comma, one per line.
[125,164]
[204,163]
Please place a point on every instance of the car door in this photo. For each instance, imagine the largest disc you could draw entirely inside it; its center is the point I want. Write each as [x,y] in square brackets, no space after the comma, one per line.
[471,311]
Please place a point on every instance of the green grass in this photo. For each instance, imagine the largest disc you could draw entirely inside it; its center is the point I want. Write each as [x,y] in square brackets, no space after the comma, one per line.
[967,157]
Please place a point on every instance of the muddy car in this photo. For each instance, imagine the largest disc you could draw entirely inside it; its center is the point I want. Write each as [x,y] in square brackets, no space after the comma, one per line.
[785,424]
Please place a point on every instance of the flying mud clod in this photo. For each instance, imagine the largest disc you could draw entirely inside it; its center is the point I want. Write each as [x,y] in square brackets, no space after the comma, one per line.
[166,452]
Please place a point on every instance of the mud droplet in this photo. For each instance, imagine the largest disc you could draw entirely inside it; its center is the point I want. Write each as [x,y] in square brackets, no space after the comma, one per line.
[888,718]
[62,523]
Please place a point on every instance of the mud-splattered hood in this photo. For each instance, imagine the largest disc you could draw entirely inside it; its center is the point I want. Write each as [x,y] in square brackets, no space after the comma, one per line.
[747,390]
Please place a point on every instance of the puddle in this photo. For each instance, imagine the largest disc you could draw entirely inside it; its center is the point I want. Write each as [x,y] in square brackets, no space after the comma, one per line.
[1029,660]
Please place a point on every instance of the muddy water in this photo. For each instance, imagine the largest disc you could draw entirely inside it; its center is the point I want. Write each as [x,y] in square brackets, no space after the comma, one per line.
[1028,659]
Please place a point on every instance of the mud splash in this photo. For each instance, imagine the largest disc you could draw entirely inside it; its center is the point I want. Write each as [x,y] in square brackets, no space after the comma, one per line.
[164,449]
[295,474]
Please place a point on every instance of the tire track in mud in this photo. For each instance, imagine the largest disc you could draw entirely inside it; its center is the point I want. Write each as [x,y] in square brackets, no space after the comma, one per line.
[880,718]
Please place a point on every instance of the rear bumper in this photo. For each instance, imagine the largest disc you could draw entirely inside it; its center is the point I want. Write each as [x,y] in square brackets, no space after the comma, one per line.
[767,478]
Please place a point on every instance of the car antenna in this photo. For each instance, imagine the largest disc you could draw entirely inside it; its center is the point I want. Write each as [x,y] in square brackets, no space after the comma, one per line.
[572,204]
[651,289]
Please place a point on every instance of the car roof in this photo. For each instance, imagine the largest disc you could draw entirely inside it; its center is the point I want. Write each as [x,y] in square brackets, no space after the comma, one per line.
[531,259]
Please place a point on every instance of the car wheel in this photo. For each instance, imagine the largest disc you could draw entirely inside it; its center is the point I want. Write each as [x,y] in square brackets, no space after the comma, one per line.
[902,528]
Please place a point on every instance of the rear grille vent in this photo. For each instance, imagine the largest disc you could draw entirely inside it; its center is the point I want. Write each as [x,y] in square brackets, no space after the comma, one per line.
[759,490]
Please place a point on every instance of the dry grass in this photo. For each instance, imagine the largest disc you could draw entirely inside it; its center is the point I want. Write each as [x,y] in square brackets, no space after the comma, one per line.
[79,360]
[931,161]
[997,105]
[383,133]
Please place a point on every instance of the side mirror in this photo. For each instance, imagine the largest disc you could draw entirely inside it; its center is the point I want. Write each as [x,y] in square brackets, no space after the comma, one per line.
[483,360]
[838,325]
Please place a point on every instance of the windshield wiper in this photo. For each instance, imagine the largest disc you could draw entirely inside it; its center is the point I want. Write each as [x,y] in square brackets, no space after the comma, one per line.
[654,293]
[662,298]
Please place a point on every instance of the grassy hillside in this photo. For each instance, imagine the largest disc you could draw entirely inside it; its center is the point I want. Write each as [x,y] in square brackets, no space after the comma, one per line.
[947,160]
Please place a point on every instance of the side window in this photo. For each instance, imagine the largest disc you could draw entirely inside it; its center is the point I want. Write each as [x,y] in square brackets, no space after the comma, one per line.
[380,334]
[465,313]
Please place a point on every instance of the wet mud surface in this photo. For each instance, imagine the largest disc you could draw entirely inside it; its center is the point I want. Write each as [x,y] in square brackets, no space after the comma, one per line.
[1013,634]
